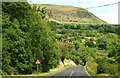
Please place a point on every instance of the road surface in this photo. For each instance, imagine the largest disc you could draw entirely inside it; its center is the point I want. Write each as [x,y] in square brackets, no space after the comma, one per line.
[72,72]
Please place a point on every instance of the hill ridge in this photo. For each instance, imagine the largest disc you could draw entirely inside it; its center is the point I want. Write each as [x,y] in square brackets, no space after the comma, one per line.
[70,14]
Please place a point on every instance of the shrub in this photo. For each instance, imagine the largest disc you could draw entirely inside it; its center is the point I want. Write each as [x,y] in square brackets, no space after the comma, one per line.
[112,69]
[102,66]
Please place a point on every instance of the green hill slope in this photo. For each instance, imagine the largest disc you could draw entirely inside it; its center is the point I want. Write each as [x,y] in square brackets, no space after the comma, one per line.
[69,14]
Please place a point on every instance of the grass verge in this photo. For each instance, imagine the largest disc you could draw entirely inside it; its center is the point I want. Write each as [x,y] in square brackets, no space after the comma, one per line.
[61,67]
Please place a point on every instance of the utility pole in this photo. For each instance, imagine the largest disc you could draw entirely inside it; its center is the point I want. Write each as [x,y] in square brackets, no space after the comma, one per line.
[119,12]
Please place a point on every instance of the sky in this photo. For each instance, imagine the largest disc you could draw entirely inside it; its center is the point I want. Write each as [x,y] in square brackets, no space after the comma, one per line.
[106,13]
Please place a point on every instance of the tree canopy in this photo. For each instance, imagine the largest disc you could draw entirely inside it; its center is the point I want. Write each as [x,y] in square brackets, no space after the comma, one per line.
[26,38]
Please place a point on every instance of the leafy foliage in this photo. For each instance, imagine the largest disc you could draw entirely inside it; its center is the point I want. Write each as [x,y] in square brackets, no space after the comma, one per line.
[104,66]
[97,43]
[26,37]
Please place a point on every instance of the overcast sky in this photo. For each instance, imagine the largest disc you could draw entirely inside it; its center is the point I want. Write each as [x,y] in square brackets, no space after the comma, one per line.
[106,13]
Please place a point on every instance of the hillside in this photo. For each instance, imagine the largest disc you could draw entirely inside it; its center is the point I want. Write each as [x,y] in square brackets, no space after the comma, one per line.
[69,14]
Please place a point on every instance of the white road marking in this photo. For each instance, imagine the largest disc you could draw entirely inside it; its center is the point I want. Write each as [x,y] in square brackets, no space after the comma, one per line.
[86,71]
[72,72]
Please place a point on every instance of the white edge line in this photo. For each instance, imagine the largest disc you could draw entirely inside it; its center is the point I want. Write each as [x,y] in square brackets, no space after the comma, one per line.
[86,71]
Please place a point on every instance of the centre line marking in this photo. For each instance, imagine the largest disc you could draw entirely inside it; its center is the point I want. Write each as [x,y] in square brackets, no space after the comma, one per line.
[72,72]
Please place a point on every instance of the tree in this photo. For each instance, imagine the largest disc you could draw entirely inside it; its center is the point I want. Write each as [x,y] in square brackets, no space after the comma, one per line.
[90,43]
[63,50]
[102,43]
[26,37]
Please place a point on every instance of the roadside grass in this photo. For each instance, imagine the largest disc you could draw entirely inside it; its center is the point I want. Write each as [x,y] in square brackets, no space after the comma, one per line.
[37,75]
[91,68]
[60,67]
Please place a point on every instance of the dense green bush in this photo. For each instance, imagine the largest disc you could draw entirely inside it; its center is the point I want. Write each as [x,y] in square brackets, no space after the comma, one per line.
[102,66]
[108,67]
[112,69]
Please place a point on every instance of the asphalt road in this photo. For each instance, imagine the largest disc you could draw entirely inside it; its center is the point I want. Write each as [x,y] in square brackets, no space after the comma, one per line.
[72,72]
